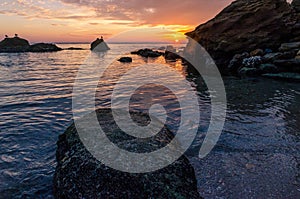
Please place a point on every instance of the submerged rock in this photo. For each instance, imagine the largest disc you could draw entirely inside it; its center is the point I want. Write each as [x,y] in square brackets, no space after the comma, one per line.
[79,175]
[99,45]
[246,25]
[15,44]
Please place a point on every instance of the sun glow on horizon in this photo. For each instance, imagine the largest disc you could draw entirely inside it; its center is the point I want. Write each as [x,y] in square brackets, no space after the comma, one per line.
[83,21]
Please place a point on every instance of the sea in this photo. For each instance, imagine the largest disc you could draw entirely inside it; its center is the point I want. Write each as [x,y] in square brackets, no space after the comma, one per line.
[256,156]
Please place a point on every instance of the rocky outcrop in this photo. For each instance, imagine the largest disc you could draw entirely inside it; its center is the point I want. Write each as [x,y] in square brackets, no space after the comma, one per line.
[42,47]
[80,175]
[244,26]
[99,45]
[17,44]
[125,59]
[147,53]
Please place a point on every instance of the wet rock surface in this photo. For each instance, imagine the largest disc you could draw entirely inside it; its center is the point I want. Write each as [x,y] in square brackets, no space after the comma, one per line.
[80,175]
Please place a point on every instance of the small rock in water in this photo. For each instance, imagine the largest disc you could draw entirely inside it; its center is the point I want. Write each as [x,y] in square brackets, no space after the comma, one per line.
[125,59]
[147,53]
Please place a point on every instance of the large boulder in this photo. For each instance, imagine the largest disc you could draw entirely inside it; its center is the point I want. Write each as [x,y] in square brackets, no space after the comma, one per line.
[80,175]
[99,45]
[246,25]
[15,44]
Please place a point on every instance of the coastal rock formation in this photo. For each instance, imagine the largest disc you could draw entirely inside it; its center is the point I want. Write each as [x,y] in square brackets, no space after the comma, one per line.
[147,53]
[244,26]
[42,47]
[99,45]
[17,44]
[80,175]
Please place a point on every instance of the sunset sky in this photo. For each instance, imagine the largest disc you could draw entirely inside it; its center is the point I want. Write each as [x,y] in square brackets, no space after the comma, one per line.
[84,20]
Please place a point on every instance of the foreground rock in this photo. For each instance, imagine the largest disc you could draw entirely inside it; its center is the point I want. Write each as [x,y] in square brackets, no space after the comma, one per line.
[17,44]
[99,45]
[244,26]
[79,175]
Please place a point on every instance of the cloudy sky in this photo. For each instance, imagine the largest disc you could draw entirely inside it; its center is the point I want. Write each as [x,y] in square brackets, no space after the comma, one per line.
[84,20]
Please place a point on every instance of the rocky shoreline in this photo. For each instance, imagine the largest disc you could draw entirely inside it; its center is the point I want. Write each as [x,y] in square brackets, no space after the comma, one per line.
[252,38]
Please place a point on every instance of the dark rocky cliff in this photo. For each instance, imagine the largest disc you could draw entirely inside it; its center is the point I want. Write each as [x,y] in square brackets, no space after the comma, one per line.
[246,25]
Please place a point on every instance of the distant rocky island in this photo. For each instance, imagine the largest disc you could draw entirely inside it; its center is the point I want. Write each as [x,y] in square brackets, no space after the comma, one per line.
[253,38]
[99,45]
[17,44]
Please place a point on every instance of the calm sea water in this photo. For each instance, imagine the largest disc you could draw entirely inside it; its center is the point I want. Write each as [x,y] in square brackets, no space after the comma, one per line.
[257,156]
